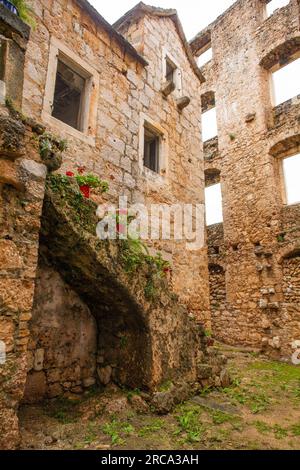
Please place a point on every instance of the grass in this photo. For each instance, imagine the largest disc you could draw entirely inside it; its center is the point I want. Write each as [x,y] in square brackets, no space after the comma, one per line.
[189,423]
[152,428]
[114,429]
[263,393]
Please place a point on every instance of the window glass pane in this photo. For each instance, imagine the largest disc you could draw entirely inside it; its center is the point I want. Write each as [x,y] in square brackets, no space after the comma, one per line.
[291,169]
[151,151]
[275,4]
[213,204]
[209,125]
[287,82]
[69,87]
[205,57]
[170,69]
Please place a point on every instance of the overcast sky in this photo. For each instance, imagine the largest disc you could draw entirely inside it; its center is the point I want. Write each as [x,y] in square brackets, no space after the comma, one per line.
[194,14]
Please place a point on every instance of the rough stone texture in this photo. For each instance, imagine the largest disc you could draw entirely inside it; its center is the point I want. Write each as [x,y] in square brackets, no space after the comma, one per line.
[71,286]
[63,338]
[257,248]
[128,90]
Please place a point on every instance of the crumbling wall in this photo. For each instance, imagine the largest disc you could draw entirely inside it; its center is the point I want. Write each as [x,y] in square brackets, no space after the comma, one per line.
[128,92]
[62,349]
[252,138]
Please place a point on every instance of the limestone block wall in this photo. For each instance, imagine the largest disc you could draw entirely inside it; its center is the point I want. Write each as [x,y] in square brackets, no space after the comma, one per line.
[128,92]
[62,349]
[253,137]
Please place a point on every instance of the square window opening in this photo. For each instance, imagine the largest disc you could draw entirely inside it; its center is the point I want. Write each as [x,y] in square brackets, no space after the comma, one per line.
[209,125]
[213,204]
[152,142]
[286,83]
[69,95]
[170,71]
[291,172]
[205,57]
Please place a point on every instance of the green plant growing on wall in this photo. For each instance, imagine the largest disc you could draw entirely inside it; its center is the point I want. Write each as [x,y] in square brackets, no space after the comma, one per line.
[25,12]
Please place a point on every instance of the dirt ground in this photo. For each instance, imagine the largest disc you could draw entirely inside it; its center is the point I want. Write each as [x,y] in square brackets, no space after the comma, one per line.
[260,410]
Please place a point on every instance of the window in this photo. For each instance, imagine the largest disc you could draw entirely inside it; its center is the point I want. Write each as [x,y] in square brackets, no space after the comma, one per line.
[286,82]
[171,75]
[209,124]
[69,96]
[170,71]
[205,57]
[213,204]
[151,149]
[291,171]
[275,5]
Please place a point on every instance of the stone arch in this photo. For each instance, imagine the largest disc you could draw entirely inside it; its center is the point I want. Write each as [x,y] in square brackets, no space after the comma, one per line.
[285,146]
[141,342]
[212,176]
[282,54]
[208,101]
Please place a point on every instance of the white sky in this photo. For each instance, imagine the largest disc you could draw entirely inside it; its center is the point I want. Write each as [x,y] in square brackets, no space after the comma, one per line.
[287,82]
[291,168]
[209,125]
[213,204]
[194,14]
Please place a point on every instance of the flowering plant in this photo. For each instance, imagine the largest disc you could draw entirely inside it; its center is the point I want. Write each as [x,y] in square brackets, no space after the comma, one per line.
[88,181]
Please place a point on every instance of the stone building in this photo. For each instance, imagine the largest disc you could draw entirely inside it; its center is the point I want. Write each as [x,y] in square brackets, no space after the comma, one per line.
[131,102]
[254,264]
[126,99]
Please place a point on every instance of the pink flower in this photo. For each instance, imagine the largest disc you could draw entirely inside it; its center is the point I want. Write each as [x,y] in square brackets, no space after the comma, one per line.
[121,228]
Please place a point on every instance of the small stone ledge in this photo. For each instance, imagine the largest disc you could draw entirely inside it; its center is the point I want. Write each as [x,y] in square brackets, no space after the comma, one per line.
[211,149]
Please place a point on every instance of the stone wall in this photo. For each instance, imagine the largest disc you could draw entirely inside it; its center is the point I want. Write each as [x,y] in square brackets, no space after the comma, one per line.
[63,340]
[252,138]
[129,92]
[22,182]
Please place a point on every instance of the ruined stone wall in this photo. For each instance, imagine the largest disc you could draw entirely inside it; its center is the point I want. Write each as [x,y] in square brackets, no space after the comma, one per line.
[22,181]
[252,138]
[129,92]
[62,349]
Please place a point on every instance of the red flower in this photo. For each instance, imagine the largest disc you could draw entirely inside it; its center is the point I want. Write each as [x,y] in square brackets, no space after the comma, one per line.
[85,191]
[70,174]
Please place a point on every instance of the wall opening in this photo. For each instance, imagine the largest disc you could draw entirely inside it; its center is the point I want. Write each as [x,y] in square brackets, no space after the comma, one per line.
[274,5]
[69,96]
[213,204]
[205,56]
[170,71]
[291,173]
[286,83]
[205,52]
[151,149]
[209,116]
[213,197]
